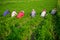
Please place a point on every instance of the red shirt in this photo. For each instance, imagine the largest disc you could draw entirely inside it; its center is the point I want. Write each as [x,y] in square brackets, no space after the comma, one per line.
[20,15]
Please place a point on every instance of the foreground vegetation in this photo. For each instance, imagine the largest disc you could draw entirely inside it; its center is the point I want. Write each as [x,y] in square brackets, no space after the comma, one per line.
[28,28]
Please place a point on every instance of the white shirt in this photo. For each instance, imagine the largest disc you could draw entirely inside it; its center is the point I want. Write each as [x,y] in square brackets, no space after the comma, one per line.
[43,13]
[13,14]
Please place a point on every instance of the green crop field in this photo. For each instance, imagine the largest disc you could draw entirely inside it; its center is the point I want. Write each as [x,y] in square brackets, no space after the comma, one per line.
[28,28]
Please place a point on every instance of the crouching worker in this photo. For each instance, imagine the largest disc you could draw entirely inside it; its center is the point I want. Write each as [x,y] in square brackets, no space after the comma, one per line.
[20,14]
[6,12]
[13,13]
[43,14]
[53,11]
[33,13]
